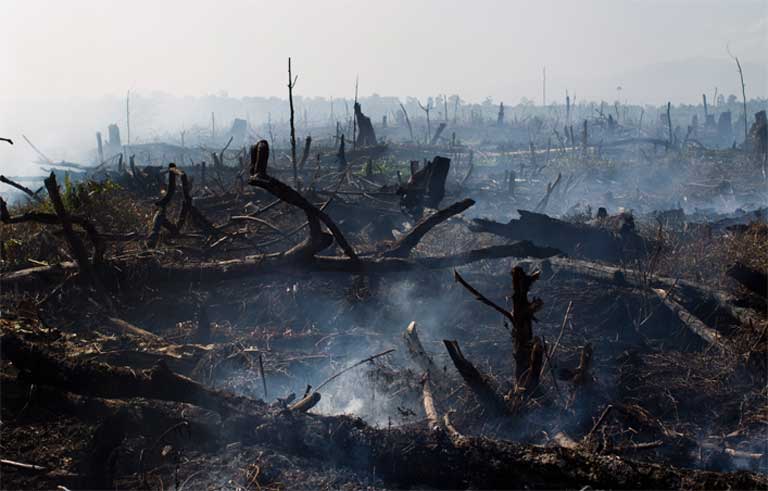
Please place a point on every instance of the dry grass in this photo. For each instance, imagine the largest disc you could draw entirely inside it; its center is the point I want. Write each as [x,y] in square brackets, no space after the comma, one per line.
[109,207]
[700,255]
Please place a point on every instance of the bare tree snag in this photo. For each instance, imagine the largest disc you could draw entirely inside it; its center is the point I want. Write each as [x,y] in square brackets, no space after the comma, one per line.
[305,153]
[426,110]
[291,85]
[527,365]
[341,155]
[477,383]
[669,124]
[407,121]
[366,135]
[426,187]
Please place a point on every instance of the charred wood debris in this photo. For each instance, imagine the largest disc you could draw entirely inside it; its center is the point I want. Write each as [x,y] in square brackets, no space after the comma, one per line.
[318,319]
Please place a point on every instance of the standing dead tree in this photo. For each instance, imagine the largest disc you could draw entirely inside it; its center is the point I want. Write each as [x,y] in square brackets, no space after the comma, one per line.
[407,120]
[743,95]
[354,120]
[291,85]
[305,153]
[669,124]
[426,187]
[366,135]
[341,155]
[426,110]
[528,350]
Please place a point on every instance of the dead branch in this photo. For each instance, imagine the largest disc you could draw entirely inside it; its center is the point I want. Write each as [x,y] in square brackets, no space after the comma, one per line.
[480,297]
[75,244]
[21,188]
[545,200]
[429,405]
[404,246]
[306,403]
[477,383]
[317,240]
[419,355]
[695,325]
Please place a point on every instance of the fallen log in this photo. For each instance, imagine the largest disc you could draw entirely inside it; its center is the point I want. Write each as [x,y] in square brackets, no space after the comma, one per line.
[695,325]
[119,326]
[408,459]
[574,239]
[98,379]
[38,276]
[306,403]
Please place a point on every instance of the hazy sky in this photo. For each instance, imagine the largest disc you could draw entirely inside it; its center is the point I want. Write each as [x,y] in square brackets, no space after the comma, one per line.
[63,49]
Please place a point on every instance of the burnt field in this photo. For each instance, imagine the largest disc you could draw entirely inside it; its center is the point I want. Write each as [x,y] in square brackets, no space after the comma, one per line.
[495,304]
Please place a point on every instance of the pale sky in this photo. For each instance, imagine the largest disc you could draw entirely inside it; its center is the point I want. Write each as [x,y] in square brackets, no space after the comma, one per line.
[69,48]
[67,64]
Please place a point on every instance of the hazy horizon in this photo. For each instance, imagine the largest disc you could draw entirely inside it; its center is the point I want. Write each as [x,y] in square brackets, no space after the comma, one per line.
[72,63]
